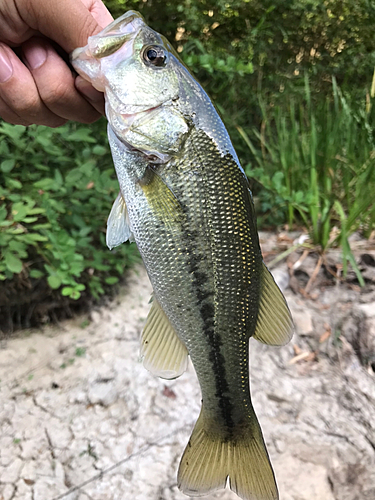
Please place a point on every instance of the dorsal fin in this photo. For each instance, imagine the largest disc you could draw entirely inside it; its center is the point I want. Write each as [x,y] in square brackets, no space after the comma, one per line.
[118,227]
[164,354]
[275,324]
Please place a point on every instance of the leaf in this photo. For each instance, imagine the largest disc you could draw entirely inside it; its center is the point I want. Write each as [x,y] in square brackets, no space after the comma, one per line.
[80,135]
[19,211]
[36,273]
[33,238]
[13,263]
[58,178]
[13,183]
[54,282]
[111,280]
[99,150]
[46,184]
[7,166]
[73,176]
[29,220]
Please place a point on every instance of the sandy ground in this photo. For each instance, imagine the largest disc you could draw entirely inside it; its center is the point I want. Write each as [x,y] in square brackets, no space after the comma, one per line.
[81,419]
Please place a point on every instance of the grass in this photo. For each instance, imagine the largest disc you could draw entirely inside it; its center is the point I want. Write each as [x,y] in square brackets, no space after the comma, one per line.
[316,156]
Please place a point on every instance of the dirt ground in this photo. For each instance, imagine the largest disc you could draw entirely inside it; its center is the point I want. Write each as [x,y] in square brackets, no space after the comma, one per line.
[81,419]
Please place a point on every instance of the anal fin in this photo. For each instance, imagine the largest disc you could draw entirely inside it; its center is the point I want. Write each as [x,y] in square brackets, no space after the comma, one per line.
[275,324]
[164,354]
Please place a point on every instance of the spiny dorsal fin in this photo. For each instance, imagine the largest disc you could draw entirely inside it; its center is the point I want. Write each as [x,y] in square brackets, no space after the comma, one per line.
[118,228]
[164,354]
[275,324]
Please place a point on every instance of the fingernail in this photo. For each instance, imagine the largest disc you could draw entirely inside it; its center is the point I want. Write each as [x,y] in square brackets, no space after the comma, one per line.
[6,68]
[88,90]
[35,56]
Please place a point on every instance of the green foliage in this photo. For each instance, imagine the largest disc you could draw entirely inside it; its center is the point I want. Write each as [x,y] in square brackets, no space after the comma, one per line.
[273,42]
[317,162]
[56,190]
[309,148]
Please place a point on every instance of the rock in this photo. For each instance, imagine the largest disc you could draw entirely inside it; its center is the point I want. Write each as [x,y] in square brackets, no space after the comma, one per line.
[294,473]
[7,492]
[358,327]
[29,471]
[59,434]
[78,396]
[103,393]
[30,449]
[12,472]
[8,450]
[367,297]
[23,491]
[368,309]
[303,322]
[95,317]
[281,276]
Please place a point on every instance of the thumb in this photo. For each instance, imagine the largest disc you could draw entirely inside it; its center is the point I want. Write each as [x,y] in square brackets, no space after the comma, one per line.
[67,22]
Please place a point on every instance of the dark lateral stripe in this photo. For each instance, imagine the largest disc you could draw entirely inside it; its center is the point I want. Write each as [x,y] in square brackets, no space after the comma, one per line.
[207,312]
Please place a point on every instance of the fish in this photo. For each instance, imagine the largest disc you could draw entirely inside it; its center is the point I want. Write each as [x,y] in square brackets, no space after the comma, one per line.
[185,200]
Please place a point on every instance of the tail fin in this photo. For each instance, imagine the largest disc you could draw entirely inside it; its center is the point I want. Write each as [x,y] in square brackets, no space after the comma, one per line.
[209,460]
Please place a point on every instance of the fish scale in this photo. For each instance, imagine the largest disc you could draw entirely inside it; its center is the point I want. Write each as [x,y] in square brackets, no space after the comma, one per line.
[186,202]
[224,226]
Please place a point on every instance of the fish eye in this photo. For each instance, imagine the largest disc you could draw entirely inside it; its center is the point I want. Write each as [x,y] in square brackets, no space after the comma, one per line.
[154,55]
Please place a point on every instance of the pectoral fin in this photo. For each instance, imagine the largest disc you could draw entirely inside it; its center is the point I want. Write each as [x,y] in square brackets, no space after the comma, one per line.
[164,354]
[118,228]
[275,324]
[160,197]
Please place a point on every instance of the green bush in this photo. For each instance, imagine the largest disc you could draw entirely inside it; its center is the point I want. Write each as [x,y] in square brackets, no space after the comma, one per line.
[56,190]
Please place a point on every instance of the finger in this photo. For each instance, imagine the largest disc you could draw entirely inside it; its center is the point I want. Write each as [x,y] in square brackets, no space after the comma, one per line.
[55,82]
[68,23]
[9,116]
[103,17]
[95,97]
[20,94]
[99,12]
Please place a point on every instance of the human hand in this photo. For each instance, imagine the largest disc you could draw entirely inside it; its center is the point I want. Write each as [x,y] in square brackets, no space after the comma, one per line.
[38,86]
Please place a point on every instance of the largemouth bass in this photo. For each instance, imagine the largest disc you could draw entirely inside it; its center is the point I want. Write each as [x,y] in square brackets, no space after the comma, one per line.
[186,202]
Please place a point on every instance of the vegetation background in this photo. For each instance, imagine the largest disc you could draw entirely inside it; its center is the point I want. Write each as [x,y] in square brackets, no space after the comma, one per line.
[294,84]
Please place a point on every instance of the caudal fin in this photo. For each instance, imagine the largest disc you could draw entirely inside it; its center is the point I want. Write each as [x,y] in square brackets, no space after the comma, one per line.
[210,459]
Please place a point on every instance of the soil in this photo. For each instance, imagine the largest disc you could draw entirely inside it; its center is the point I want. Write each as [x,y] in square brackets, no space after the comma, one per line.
[81,419]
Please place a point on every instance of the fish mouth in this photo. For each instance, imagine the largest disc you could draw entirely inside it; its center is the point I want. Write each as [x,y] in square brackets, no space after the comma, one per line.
[87,60]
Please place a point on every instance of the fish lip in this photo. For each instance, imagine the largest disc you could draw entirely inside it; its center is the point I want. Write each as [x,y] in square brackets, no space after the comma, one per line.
[111,29]
[86,60]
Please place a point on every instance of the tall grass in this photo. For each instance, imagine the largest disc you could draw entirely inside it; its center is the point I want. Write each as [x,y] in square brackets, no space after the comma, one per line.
[317,156]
